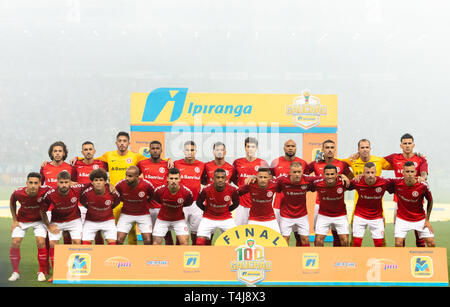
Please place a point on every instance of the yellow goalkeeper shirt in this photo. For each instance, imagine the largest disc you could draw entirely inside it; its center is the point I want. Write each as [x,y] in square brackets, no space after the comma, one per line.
[118,165]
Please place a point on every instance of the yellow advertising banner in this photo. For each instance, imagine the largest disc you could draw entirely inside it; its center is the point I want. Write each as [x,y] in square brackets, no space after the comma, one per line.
[249,255]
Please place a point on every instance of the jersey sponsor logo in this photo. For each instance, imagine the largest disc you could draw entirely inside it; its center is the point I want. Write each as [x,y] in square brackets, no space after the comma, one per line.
[79,264]
[251,266]
[422,266]
[306,110]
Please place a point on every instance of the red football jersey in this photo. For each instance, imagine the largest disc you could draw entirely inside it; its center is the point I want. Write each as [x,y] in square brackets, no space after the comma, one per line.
[210,168]
[398,160]
[136,201]
[293,203]
[410,200]
[218,203]
[261,200]
[29,210]
[331,199]
[317,169]
[81,170]
[156,173]
[370,201]
[281,167]
[244,169]
[49,173]
[65,207]
[172,204]
[99,207]
[191,175]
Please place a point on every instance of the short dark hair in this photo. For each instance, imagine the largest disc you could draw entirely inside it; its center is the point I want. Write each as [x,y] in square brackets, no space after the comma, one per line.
[406,136]
[155,142]
[329,166]
[189,143]
[369,165]
[63,175]
[98,173]
[123,133]
[251,140]
[328,141]
[363,140]
[296,164]
[264,169]
[174,171]
[408,163]
[34,175]
[87,143]
[218,144]
[219,170]
[58,143]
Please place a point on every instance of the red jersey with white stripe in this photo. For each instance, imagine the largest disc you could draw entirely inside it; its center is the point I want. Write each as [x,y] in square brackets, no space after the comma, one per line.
[81,170]
[99,207]
[49,173]
[331,199]
[155,173]
[244,169]
[210,168]
[281,167]
[217,203]
[65,207]
[318,167]
[172,204]
[261,200]
[293,203]
[398,160]
[410,200]
[29,210]
[191,175]
[369,204]
[136,201]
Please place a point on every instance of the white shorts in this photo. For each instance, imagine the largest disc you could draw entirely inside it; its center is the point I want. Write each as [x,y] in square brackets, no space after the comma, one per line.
[108,228]
[154,214]
[83,211]
[299,225]
[74,227]
[193,215]
[207,226]
[162,227]
[38,227]
[271,224]
[325,223]
[241,215]
[360,224]
[402,227]
[126,221]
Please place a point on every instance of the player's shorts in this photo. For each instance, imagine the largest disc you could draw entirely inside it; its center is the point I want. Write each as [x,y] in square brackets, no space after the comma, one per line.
[74,227]
[402,227]
[83,211]
[271,224]
[299,225]
[241,214]
[154,214]
[162,227]
[207,226]
[193,215]
[126,221]
[38,227]
[108,228]
[375,226]
[325,223]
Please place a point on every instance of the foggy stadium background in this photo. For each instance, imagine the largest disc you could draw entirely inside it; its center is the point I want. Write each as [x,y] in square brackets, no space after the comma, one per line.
[68,69]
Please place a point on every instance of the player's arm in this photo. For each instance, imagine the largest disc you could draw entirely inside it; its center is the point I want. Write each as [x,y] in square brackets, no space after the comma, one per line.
[309,168]
[43,211]
[200,202]
[345,180]
[423,168]
[13,209]
[204,177]
[244,190]
[83,200]
[189,200]
[347,172]
[234,201]
[429,199]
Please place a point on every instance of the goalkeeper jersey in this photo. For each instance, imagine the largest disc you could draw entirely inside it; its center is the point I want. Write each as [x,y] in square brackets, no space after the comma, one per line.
[118,165]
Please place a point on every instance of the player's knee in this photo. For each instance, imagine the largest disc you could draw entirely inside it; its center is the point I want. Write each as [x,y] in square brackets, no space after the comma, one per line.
[15,242]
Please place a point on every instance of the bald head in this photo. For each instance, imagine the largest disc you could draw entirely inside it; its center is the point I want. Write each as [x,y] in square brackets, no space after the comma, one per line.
[290,148]
[132,175]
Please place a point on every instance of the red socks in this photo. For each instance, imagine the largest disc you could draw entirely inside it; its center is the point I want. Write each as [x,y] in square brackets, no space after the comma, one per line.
[200,241]
[14,256]
[378,242]
[357,242]
[43,260]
